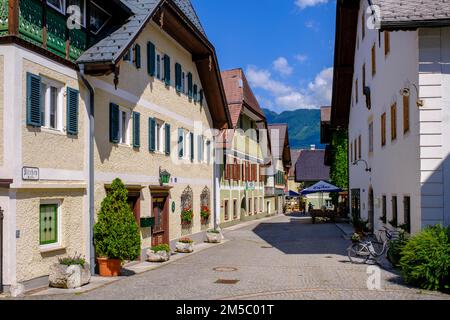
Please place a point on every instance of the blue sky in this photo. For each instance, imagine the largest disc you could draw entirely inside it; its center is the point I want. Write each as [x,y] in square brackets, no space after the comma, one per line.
[284,46]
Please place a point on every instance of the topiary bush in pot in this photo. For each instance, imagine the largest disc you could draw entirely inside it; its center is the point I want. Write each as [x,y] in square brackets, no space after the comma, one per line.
[425,259]
[116,233]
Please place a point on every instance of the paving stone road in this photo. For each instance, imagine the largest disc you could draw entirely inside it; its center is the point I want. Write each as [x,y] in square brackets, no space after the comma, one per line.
[282,258]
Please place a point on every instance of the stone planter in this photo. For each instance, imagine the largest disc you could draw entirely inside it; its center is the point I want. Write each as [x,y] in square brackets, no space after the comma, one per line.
[68,277]
[160,256]
[184,247]
[214,237]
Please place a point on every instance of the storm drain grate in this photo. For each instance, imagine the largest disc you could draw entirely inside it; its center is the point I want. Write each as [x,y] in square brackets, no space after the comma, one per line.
[225,269]
[225,281]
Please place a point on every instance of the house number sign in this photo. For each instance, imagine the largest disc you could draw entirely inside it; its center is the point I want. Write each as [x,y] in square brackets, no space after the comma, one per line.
[31,174]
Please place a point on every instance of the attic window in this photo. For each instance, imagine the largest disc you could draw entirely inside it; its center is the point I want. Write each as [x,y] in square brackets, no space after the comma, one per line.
[99,18]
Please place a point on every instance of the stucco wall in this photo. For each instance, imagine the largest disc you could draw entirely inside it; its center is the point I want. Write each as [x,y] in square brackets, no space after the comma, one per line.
[44,148]
[395,167]
[139,92]
[31,262]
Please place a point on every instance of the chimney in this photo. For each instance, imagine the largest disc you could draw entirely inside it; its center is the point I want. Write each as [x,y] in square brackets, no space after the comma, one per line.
[313,147]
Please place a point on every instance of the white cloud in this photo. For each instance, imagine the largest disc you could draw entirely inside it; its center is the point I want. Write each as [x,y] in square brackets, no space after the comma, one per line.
[281,65]
[301,58]
[302,4]
[315,94]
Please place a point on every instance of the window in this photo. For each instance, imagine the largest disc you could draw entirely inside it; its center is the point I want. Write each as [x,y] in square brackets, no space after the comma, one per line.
[394,122]
[394,220]
[57,5]
[356,150]
[387,43]
[384,208]
[356,90]
[235,209]
[406,125]
[407,213]
[226,211]
[371,137]
[356,203]
[48,224]
[383,129]
[363,25]
[359,147]
[127,56]
[364,76]
[159,136]
[52,100]
[99,18]
[374,61]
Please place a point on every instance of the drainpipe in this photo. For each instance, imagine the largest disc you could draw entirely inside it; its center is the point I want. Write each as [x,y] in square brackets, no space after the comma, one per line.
[1,250]
[91,109]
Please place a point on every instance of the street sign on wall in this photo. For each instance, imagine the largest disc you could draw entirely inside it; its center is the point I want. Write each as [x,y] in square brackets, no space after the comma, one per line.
[29,173]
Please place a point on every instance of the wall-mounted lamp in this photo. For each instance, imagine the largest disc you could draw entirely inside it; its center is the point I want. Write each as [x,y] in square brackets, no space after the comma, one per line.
[367,165]
[406,92]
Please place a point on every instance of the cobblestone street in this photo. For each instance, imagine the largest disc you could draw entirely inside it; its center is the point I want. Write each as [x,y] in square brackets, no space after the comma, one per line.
[280,258]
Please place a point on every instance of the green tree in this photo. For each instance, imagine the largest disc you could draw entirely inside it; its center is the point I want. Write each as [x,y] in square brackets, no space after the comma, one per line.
[339,165]
[116,234]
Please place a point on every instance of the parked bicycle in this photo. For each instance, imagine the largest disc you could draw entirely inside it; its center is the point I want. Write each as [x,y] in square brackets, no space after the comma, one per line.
[372,249]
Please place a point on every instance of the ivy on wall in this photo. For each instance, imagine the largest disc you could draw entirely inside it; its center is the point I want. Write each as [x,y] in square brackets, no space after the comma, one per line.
[339,166]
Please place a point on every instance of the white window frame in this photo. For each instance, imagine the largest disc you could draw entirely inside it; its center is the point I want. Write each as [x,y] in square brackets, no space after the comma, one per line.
[107,20]
[127,112]
[159,68]
[160,147]
[49,83]
[59,243]
[60,10]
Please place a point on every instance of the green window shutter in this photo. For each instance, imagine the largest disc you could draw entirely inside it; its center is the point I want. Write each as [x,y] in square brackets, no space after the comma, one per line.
[180,143]
[167,70]
[195,92]
[200,148]
[192,146]
[34,101]
[72,111]
[136,129]
[201,97]
[167,131]
[190,85]
[151,59]
[151,134]
[114,123]
[137,56]
[48,224]
[178,77]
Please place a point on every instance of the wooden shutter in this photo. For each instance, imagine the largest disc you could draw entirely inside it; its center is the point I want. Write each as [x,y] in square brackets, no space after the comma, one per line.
[136,130]
[167,70]
[151,59]
[201,97]
[167,132]
[191,135]
[374,61]
[137,56]
[190,85]
[405,114]
[34,102]
[151,134]
[255,172]
[394,122]
[72,111]
[383,129]
[178,77]
[114,123]
[180,143]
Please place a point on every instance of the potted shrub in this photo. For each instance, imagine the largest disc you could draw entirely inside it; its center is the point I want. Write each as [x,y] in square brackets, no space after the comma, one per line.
[159,253]
[187,216]
[205,214]
[116,233]
[69,273]
[185,245]
[214,236]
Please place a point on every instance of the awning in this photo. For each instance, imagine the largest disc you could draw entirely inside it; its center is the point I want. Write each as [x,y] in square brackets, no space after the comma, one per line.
[293,194]
[321,187]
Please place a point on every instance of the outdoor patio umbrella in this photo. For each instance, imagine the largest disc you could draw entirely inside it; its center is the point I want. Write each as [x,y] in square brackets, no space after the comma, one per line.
[321,187]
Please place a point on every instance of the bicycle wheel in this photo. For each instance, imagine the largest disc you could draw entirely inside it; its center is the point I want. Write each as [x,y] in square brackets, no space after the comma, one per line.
[358,253]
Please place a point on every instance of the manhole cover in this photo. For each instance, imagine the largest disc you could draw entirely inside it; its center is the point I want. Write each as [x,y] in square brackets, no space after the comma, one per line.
[225,269]
[225,281]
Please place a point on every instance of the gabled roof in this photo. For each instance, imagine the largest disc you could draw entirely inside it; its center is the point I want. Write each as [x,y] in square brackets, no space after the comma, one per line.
[413,13]
[310,166]
[295,154]
[239,95]
[111,48]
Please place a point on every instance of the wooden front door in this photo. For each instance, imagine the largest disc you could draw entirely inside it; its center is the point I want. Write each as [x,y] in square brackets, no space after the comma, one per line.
[160,208]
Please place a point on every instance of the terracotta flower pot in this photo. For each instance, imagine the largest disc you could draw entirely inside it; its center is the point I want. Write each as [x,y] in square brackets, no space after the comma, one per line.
[109,267]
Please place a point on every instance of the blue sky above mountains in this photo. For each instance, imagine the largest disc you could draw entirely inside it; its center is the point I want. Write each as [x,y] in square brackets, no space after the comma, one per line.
[286,47]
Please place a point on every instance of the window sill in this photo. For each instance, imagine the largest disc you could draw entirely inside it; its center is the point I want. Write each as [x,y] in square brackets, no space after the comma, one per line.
[53,131]
[52,248]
